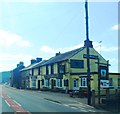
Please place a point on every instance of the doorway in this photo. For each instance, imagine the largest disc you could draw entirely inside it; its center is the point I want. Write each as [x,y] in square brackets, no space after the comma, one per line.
[38,84]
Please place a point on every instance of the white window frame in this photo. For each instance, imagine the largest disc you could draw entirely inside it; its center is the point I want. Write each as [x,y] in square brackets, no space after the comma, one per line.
[83,79]
[46,82]
[58,83]
[75,84]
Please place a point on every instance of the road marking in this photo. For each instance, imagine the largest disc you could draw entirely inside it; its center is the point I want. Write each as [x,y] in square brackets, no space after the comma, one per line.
[66,105]
[74,107]
[91,111]
[7,103]
[17,103]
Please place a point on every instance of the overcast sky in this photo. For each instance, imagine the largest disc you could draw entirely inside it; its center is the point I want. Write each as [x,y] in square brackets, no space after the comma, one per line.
[41,29]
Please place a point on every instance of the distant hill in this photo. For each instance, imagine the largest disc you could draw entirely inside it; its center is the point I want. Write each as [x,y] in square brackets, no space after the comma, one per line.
[5,76]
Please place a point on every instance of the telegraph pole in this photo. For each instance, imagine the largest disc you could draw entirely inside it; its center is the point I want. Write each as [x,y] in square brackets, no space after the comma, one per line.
[88,44]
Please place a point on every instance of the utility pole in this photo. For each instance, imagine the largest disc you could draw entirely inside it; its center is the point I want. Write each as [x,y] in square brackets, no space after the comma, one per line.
[88,44]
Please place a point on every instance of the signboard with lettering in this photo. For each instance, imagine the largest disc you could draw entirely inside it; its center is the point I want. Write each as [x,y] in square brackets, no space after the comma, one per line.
[90,56]
[104,83]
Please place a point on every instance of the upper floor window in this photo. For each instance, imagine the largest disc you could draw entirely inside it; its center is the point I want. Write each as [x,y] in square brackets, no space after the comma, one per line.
[61,69]
[47,70]
[52,68]
[39,70]
[32,71]
[76,63]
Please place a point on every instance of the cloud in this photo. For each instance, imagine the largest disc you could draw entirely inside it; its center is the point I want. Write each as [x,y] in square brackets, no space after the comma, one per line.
[116,27]
[100,47]
[97,46]
[47,49]
[8,39]
[9,61]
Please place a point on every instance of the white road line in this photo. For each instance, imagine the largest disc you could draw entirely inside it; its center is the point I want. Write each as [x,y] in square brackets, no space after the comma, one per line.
[74,107]
[81,108]
[8,96]
[84,110]
[17,103]
[91,111]
[7,103]
[66,105]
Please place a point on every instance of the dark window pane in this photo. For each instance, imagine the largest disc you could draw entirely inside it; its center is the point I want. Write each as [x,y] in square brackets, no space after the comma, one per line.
[77,63]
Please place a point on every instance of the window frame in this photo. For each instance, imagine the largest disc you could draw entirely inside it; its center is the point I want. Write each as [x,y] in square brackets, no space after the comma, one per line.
[83,82]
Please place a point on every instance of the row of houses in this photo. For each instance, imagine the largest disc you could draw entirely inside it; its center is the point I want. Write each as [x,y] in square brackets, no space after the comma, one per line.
[65,72]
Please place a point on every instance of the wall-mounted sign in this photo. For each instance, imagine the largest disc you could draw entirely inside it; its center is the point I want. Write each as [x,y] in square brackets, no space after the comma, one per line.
[104,83]
[90,56]
[103,70]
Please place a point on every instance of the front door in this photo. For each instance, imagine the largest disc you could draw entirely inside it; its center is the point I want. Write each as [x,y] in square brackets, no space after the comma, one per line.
[75,84]
[38,84]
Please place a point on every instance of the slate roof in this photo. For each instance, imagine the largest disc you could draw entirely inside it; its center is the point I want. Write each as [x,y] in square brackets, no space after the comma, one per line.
[55,59]
[63,56]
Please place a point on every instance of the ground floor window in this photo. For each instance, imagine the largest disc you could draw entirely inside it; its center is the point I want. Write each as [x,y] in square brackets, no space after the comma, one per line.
[58,82]
[66,83]
[47,82]
[110,82]
[118,82]
[83,82]
[75,83]
[33,83]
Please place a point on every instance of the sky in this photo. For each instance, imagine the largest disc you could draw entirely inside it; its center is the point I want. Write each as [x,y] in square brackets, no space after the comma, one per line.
[31,29]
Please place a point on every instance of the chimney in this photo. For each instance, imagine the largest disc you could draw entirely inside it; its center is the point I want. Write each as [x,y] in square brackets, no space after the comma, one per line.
[38,59]
[33,61]
[21,63]
[57,54]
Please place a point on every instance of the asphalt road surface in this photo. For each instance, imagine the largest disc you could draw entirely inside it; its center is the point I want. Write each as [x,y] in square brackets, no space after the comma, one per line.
[15,100]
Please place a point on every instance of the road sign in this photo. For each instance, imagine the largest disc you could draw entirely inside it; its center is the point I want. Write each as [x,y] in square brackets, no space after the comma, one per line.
[90,56]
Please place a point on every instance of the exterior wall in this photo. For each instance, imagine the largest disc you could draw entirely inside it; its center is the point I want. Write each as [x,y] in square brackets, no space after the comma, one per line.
[93,65]
[70,76]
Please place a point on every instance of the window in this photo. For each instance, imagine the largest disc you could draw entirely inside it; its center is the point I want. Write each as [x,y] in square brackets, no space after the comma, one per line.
[66,83]
[47,82]
[42,81]
[61,69]
[33,83]
[110,82]
[83,82]
[118,82]
[75,83]
[47,70]
[39,70]
[58,82]
[52,68]
[32,71]
[77,63]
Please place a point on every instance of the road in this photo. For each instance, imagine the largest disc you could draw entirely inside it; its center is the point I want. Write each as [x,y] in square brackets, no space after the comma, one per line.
[15,100]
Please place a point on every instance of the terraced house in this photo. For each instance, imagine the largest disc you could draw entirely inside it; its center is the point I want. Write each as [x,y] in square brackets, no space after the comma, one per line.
[67,72]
